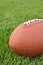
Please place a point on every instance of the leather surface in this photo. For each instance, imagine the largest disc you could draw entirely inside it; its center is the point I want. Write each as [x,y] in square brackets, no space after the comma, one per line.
[27,39]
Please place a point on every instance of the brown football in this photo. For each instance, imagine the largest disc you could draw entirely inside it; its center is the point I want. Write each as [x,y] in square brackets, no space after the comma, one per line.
[27,38]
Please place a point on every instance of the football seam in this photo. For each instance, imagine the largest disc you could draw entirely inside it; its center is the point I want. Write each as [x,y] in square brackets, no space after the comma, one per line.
[33,24]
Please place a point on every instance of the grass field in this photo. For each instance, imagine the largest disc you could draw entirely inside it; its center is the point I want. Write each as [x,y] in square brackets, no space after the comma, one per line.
[12,13]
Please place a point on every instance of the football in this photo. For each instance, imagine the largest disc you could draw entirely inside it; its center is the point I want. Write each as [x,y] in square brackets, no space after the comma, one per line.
[27,38]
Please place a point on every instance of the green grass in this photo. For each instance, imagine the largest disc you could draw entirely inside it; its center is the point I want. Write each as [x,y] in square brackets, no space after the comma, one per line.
[12,13]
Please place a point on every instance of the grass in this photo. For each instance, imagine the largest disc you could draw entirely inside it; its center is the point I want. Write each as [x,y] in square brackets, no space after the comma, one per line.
[12,13]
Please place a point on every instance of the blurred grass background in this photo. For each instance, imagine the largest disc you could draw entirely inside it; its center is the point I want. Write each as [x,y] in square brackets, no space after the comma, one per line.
[12,13]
